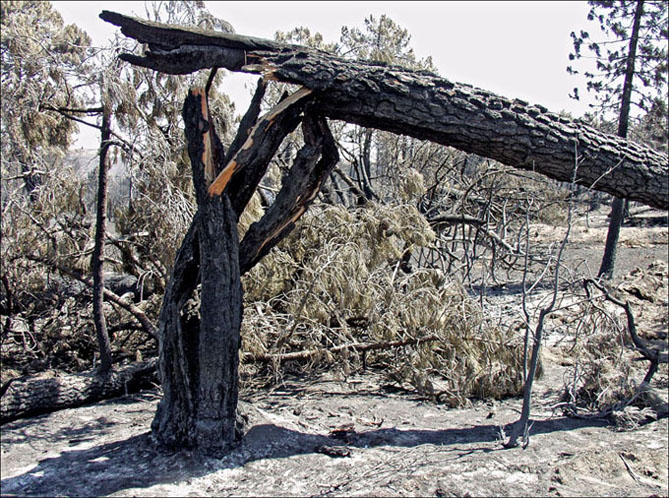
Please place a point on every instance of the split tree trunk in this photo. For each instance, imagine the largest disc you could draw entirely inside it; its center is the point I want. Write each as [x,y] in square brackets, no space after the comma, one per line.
[199,356]
[418,104]
[199,352]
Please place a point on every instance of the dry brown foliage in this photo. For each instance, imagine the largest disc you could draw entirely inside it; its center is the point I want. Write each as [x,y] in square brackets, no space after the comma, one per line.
[607,370]
[337,281]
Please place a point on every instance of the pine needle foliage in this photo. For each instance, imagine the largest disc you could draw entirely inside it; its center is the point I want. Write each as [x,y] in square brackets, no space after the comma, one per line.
[336,281]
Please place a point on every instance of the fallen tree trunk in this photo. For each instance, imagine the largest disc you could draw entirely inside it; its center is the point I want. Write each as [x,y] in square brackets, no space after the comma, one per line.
[46,393]
[420,105]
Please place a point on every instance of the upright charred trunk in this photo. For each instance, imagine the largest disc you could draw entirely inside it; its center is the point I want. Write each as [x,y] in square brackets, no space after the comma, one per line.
[618,205]
[199,354]
[97,258]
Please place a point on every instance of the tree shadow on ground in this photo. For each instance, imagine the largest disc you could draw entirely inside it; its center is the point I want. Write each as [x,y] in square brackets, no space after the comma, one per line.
[136,462]
[34,429]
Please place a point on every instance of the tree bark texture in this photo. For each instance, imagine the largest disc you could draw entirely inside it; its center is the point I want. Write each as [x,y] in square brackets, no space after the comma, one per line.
[97,259]
[199,355]
[44,393]
[418,104]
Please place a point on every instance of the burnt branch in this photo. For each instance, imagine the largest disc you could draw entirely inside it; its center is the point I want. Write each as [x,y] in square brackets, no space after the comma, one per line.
[299,188]
[246,168]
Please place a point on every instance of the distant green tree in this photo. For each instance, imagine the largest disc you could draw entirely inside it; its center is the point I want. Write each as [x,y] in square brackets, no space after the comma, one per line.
[43,61]
[631,70]
[382,40]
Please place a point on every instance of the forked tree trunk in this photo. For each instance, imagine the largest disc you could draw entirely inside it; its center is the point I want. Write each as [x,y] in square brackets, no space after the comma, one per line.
[199,355]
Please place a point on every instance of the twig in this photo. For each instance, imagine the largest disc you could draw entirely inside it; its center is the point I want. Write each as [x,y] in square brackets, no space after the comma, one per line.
[629,469]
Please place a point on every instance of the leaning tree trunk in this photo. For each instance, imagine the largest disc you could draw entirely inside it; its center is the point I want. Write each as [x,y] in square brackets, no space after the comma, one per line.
[418,104]
[618,205]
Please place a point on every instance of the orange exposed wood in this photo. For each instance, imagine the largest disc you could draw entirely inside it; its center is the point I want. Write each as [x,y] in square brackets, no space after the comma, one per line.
[222,179]
[207,151]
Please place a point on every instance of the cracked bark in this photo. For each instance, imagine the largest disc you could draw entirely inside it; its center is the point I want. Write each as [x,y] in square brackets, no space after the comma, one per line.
[199,355]
[418,104]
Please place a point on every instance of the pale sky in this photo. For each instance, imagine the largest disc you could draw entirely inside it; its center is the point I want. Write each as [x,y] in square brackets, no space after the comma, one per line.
[515,49]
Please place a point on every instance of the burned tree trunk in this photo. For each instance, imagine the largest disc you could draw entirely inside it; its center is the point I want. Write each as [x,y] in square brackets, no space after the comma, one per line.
[418,104]
[199,356]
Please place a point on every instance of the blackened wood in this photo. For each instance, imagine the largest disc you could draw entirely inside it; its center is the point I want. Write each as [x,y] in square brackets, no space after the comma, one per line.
[421,105]
[249,164]
[300,186]
[199,354]
[48,392]
[178,334]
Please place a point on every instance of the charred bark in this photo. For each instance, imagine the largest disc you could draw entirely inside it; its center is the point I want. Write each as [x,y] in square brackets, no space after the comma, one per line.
[418,104]
[199,355]
[299,188]
[46,393]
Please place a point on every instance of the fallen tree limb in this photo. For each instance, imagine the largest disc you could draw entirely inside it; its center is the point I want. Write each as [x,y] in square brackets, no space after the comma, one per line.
[418,104]
[141,317]
[46,393]
[316,353]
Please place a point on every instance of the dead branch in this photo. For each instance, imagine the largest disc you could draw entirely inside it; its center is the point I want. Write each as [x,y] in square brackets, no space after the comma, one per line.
[141,317]
[316,353]
[654,356]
